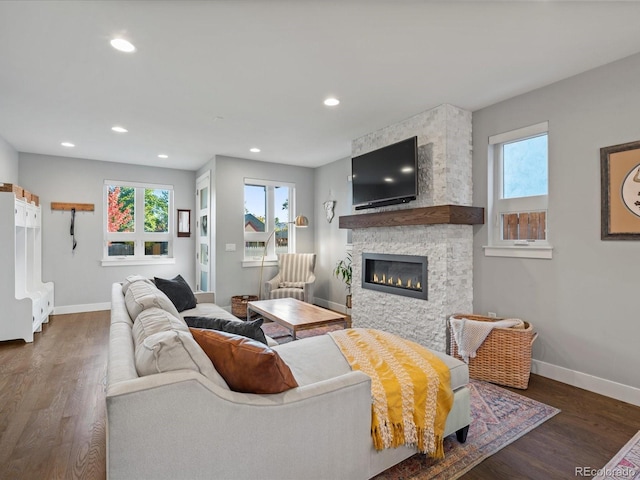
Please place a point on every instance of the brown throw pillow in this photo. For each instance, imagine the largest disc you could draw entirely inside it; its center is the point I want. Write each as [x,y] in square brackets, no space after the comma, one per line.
[246,365]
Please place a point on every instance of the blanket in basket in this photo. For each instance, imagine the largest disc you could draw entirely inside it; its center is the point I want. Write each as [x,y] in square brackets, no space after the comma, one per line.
[410,386]
[469,334]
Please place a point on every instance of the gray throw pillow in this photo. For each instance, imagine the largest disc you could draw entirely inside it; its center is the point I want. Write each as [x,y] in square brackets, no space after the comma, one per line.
[250,329]
[178,291]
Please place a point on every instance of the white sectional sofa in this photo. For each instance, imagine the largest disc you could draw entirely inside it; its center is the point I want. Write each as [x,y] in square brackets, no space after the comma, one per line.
[187,423]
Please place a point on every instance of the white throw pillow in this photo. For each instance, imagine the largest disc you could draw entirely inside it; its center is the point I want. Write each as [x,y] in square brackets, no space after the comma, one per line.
[134,278]
[154,320]
[174,350]
[141,295]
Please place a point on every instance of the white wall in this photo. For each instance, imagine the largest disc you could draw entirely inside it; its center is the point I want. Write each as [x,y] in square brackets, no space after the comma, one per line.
[331,183]
[80,281]
[583,302]
[8,163]
[231,277]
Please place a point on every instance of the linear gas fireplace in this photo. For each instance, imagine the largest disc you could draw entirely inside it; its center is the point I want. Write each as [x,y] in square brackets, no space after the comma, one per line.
[404,275]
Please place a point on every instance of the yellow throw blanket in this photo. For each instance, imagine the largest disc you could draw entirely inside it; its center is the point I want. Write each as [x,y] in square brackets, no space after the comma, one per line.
[411,388]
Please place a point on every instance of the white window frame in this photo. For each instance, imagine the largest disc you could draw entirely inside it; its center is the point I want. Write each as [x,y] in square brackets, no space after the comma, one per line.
[271,258]
[139,236]
[497,206]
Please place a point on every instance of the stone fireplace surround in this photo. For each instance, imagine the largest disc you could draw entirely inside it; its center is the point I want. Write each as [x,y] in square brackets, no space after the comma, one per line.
[444,178]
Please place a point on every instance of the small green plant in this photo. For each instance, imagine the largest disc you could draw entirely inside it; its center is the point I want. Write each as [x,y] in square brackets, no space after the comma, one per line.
[343,271]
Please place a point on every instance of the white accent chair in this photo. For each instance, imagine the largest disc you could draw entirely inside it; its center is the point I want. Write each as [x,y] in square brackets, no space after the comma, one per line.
[295,278]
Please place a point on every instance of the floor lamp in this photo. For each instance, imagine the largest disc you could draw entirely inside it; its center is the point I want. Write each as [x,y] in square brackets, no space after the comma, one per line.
[300,222]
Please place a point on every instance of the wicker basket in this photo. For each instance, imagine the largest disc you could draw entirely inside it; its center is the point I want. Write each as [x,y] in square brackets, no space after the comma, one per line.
[505,355]
[239,304]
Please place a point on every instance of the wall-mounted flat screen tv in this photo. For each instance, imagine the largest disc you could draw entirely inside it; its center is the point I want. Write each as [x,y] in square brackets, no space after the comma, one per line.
[386,176]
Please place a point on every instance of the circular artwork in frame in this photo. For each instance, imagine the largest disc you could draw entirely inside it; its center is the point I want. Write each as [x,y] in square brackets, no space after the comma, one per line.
[630,190]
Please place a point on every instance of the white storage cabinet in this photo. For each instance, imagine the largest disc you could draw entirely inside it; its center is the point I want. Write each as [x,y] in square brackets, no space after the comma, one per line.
[25,301]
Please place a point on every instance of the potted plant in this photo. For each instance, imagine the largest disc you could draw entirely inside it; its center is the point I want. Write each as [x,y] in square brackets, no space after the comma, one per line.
[343,272]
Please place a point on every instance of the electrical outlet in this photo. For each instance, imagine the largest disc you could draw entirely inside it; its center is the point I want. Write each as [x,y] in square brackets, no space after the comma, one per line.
[230,247]
[492,314]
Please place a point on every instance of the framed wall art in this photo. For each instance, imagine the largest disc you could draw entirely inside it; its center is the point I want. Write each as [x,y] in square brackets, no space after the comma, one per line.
[620,190]
[184,223]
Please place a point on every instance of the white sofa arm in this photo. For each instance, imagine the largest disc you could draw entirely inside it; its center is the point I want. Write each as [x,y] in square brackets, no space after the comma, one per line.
[205,297]
[193,429]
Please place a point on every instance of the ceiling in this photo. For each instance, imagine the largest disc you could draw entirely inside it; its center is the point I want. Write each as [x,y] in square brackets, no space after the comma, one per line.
[219,77]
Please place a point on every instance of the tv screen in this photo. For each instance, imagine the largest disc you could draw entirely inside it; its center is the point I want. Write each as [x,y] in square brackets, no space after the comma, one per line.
[386,176]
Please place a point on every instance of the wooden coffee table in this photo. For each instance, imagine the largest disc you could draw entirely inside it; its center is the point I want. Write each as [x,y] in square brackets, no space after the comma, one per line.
[295,315]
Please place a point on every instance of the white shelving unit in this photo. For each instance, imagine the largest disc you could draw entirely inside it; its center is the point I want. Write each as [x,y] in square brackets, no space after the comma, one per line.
[25,301]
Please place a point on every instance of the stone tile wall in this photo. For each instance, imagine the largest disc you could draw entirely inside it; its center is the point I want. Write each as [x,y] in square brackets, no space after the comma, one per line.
[444,177]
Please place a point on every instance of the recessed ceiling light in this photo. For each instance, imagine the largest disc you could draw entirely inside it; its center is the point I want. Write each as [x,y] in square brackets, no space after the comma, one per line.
[119,129]
[123,45]
[388,179]
[162,155]
[67,144]
[331,102]
[254,150]
[406,169]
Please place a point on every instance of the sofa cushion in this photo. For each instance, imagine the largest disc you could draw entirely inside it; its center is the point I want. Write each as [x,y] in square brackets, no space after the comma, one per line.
[174,350]
[178,291]
[141,295]
[134,278]
[246,365]
[291,285]
[154,320]
[313,359]
[249,328]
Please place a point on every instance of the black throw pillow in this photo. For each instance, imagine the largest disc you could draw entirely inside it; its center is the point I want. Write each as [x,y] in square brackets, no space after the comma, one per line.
[178,291]
[249,329]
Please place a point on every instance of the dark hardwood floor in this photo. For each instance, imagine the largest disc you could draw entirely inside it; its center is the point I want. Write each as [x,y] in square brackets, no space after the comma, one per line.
[52,413]
[52,408]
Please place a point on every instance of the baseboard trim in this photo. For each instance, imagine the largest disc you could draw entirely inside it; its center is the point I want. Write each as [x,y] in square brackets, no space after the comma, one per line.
[336,307]
[89,307]
[588,382]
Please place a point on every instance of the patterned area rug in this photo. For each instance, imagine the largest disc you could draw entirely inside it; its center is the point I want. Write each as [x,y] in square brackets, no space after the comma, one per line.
[625,465]
[499,417]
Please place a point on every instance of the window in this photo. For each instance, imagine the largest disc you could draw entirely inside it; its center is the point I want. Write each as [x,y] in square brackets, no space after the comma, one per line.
[268,208]
[518,193]
[137,223]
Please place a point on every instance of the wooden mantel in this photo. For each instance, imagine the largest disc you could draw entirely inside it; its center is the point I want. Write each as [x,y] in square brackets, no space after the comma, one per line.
[451,214]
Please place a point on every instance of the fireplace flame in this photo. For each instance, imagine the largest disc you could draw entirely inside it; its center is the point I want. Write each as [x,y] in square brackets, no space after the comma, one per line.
[397,282]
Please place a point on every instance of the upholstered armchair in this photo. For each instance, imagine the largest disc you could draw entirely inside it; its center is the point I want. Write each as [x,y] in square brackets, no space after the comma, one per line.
[295,278]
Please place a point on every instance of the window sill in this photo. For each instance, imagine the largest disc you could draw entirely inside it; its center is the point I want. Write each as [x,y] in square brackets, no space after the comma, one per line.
[528,251]
[119,262]
[258,263]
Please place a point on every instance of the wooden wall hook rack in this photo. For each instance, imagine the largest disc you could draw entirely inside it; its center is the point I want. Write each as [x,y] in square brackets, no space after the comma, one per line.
[80,207]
